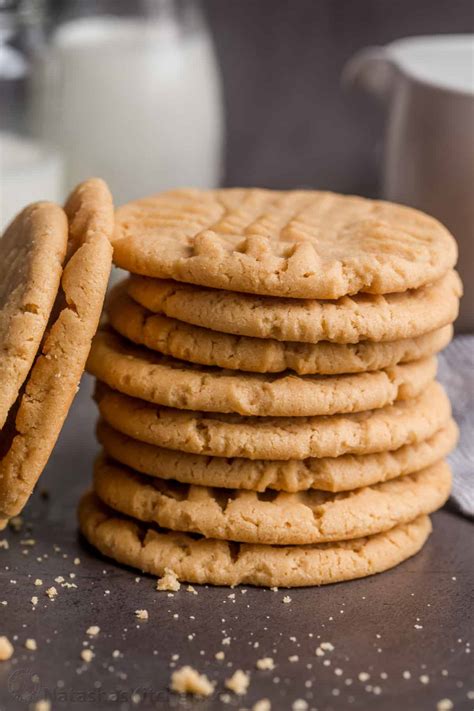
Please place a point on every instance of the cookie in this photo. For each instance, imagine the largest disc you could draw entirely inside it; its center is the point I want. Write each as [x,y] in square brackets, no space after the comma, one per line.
[54,378]
[272,518]
[162,380]
[389,428]
[209,561]
[32,252]
[303,244]
[205,347]
[348,320]
[328,474]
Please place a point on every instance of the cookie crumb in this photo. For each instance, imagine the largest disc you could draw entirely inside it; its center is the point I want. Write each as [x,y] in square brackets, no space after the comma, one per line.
[169,581]
[34,600]
[300,705]
[188,681]
[323,648]
[265,663]
[219,655]
[6,649]
[262,705]
[31,645]
[42,705]
[141,614]
[287,599]
[192,590]
[238,682]
[87,655]
[444,705]
[93,630]
[16,523]
[51,592]
[38,582]
[4,544]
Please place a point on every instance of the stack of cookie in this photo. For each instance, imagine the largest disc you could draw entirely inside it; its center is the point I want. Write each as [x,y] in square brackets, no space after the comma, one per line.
[266,386]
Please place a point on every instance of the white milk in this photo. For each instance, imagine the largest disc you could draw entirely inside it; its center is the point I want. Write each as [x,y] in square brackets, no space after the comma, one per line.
[28,172]
[139,104]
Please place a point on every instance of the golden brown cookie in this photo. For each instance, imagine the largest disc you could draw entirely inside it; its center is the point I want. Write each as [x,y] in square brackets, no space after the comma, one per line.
[389,428]
[32,252]
[205,347]
[362,317]
[272,518]
[30,435]
[148,375]
[328,473]
[303,244]
[209,561]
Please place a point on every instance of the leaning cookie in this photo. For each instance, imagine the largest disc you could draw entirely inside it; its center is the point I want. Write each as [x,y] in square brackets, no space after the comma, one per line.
[31,432]
[214,562]
[32,252]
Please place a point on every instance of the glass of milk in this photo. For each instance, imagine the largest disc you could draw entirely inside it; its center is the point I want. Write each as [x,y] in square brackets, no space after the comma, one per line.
[30,169]
[134,98]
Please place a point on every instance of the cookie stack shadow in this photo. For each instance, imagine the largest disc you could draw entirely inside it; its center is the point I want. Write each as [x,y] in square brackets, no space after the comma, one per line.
[265,439]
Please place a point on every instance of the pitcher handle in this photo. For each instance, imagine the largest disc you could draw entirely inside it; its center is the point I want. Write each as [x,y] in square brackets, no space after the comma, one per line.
[372,70]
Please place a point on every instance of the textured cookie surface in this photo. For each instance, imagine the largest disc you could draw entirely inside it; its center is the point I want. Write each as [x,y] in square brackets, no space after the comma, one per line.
[32,251]
[203,560]
[55,375]
[275,518]
[151,376]
[304,244]
[205,347]
[328,473]
[284,438]
[347,320]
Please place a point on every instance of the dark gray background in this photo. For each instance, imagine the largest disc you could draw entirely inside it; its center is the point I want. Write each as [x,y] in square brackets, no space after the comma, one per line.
[289,122]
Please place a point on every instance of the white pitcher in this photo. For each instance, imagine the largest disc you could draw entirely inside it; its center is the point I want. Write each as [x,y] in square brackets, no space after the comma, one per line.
[427,84]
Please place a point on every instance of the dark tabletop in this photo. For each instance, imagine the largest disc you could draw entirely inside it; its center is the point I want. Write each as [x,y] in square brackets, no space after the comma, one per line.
[401,639]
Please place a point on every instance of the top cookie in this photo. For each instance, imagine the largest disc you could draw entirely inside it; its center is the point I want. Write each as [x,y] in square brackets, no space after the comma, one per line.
[32,427]
[32,252]
[302,244]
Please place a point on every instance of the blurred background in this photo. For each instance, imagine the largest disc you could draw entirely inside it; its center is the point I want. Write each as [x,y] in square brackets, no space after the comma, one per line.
[150,94]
